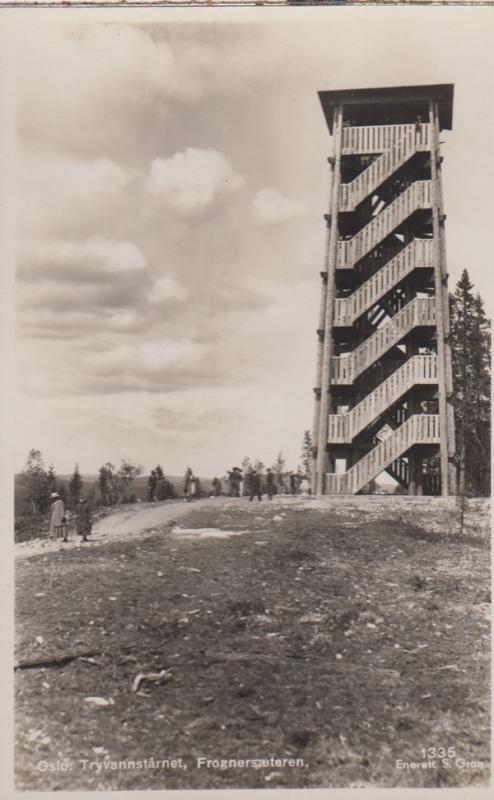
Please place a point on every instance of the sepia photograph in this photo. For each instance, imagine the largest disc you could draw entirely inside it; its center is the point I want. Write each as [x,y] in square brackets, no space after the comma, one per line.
[249,425]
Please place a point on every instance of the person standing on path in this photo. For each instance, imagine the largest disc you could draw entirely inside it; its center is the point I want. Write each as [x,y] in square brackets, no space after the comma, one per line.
[83,519]
[152,483]
[293,483]
[190,485]
[270,483]
[58,526]
[255,485]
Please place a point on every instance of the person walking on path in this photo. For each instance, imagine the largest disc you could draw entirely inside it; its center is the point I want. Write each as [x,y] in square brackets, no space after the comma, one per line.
[58,522]
[83,519]
[270,483]
[255,485]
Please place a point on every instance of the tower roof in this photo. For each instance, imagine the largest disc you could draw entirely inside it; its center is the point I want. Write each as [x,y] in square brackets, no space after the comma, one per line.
[393,104]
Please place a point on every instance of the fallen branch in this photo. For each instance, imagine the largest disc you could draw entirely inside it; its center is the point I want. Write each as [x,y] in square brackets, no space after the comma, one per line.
[54,661]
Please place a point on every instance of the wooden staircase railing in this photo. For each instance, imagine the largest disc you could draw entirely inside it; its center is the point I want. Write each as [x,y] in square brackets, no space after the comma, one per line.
[419,311]
[413,139]
[418,254]
[418,369]
[400,471]
[369,139]
[416,196]
[418,429]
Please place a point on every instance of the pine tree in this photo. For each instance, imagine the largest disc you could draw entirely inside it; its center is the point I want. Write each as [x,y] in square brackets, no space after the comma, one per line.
[164,489]
[51,479]
[35,479]
[470,346]
[106,483]
[75,485]
[306,457]
[62,491]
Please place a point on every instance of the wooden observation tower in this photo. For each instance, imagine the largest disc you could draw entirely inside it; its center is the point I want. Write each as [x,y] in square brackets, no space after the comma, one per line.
[383,396]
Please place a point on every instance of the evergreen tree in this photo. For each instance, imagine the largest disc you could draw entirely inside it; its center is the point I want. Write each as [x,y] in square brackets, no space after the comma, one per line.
[51,479]
[35,479]
[216,486]
[470,347]
[169,489]
[62,491]
[306,457]
[105,483]
[164,488]
[75,485]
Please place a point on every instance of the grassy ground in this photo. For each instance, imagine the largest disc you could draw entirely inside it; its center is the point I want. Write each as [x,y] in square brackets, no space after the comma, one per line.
[346,644]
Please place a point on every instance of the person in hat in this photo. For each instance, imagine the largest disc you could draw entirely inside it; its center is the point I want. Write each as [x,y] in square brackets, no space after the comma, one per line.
[270,483]
[255,485]
[58,526]
[293,482]
[190,487]
[83,519]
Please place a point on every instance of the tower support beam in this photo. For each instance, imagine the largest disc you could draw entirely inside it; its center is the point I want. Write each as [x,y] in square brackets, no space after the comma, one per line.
[445,378]
[327,349]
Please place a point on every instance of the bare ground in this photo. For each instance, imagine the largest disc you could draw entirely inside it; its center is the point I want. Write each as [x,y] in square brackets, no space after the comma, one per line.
[347,634]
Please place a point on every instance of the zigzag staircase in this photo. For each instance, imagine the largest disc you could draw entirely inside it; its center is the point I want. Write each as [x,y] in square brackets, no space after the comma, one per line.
[418,312]
[382,309]
[418,254]
[417,370]
[418,429]
[416,196]
[411,139]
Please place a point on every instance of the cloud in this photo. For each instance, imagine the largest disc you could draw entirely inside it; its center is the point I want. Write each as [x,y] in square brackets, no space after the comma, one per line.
[188,420]
[146,358]
[79,84]
[56,190]
[192,179]
[269,206]
[165,289]
[76,262]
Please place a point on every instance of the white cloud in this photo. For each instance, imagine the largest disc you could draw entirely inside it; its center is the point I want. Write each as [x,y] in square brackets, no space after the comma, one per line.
[76,261]
[125,321]
[145,358]
[167,288]
[269,206]
[190,180]
[55,190]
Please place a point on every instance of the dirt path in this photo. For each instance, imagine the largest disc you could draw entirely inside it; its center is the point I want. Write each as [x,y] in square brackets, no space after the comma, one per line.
[124,523]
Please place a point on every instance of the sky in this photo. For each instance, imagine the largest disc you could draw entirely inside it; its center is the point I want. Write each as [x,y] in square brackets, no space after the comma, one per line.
[171,181]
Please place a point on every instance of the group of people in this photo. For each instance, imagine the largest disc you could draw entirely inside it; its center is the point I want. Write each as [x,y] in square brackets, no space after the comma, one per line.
[59,519]
[254,483]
